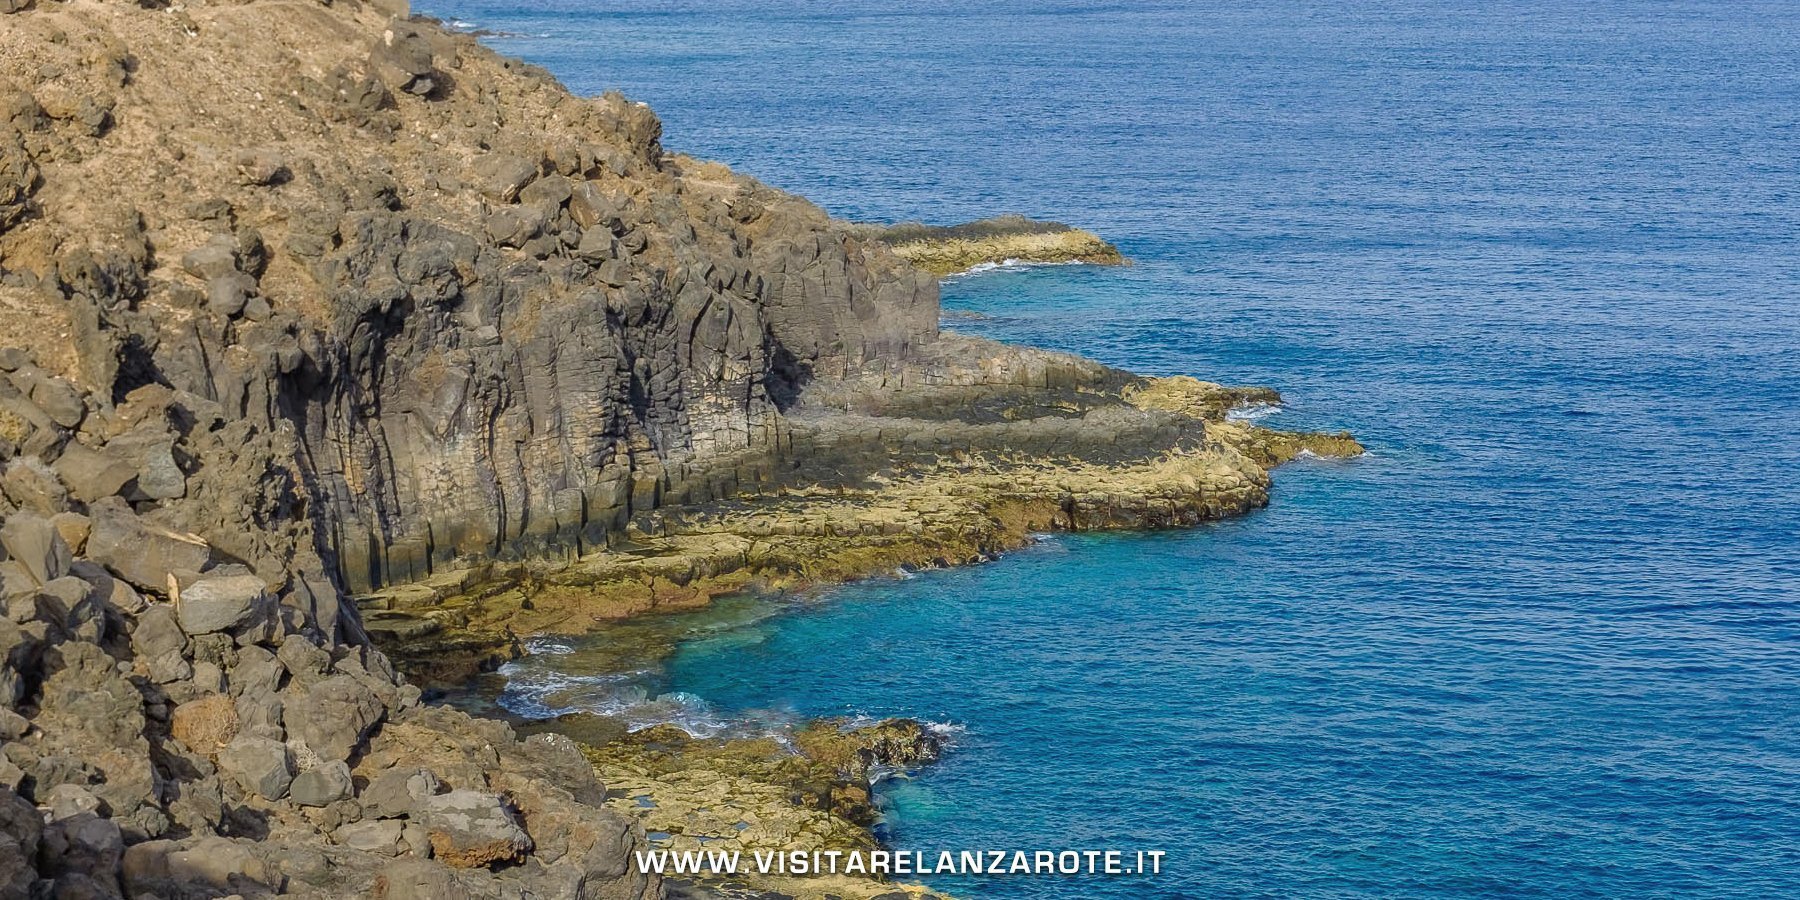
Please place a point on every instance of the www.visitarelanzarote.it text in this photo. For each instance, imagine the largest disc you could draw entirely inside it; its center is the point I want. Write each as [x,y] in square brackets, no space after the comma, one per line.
[902,862]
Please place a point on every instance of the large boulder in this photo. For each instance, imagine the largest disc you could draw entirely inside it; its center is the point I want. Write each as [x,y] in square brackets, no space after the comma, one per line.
[395,793]
[223,602]
[216,258]
[58,399]
[331,716]
[31,485]
[260,766]
[150,449]
[205,866]
[21,830]
[378,836]
[35,543]
[143,553]
[92,474]
[157,633]
[322,786]
[86,697]
[86,850]
[500,177]
[469,829]
[402,60]
[592,208]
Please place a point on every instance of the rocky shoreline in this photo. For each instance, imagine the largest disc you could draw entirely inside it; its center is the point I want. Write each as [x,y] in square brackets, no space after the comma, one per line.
[175,727]
[1012,239]
[302,303]
[759,793]
[983,492]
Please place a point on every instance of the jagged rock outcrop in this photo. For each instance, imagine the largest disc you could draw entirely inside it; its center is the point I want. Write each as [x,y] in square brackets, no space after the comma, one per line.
[402,301]
[145,755]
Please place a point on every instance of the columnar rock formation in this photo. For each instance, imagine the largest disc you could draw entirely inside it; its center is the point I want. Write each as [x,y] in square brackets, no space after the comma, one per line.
[409,293]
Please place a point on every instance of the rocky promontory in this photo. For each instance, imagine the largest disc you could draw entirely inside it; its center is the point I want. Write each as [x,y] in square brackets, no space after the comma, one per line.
[954,468]
[302,302]
[1001,240]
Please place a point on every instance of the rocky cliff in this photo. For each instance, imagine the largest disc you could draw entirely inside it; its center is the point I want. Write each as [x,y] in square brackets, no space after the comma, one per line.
[419,301]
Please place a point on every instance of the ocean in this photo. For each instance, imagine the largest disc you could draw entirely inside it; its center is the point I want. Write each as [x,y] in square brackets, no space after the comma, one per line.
[1543,258]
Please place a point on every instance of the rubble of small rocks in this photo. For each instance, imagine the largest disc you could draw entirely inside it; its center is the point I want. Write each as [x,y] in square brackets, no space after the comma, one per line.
[174,726]
[176,723]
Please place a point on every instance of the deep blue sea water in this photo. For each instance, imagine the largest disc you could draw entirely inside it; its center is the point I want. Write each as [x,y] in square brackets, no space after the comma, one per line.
[1542,257]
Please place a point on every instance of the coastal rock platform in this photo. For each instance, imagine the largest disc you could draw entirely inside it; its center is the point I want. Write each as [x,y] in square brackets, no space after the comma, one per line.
[1002,240]
[948,465]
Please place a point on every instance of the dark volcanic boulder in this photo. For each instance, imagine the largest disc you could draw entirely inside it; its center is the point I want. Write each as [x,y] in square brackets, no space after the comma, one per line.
[21,830]
[140,552]
[469,829]
[223,602]
[401,58]
[331,716]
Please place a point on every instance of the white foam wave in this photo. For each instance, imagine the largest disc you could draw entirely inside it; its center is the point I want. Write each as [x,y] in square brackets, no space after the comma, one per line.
[1308,454]
[546,646]
[1009,264]
[1251,412]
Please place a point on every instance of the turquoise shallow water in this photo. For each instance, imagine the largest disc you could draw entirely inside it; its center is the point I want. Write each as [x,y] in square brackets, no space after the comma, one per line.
[1544,258]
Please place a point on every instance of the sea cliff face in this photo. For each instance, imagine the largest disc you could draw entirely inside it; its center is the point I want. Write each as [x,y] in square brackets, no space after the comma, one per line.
[363,300]
[447,309]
